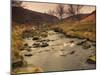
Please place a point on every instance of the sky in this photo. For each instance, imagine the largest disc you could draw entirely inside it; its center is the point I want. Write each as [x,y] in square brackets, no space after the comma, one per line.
[45,7]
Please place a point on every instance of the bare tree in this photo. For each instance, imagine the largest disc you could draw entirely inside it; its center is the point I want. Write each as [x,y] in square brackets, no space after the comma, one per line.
[71,11]
[78,7]
[51,12]
[74,10]
[60,11]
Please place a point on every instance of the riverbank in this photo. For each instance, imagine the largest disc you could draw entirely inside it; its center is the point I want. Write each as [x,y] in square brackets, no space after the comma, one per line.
[78,30]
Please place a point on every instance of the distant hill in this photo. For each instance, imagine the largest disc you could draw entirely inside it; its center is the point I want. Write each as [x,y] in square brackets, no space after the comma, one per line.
[25,16]
[82,17]
[75,18]
[90,18]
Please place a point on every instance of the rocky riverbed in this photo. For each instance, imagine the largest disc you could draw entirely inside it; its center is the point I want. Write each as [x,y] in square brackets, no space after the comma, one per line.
[56,52]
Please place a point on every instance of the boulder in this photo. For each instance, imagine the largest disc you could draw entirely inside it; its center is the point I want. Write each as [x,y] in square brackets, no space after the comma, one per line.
[35,38]
[35,45]
[44,44]
[81,42]
[28,55]
[86,45]
[91,60]
[17,64]
[72,52]
[26,44]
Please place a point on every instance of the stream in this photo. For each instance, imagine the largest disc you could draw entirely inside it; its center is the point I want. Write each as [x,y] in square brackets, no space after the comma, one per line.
[56,52]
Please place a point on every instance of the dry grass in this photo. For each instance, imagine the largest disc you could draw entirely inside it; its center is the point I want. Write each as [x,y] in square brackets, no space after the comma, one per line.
[16,41]
[78,29]
[29,69]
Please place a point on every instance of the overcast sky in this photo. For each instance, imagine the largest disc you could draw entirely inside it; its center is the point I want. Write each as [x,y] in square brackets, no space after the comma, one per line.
[44,7]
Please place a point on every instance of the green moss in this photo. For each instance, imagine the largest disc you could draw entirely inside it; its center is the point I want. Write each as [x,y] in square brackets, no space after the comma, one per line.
[93,58]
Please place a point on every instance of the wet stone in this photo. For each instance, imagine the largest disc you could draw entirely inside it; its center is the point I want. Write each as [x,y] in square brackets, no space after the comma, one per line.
[17,63]
[26,44]
[35,38]
[72,52]
[28,55]
[86,45]
[89,61]
[81,42]
[44,45]
[35,45]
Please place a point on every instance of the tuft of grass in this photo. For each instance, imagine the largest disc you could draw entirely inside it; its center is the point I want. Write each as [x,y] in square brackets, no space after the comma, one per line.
[16,42]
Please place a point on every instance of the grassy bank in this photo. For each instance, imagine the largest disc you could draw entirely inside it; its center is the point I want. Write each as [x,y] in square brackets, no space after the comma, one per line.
[16,44]
[79,30]
[16,41]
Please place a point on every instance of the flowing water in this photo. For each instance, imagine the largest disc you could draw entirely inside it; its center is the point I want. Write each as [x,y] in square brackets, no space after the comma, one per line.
[60,53]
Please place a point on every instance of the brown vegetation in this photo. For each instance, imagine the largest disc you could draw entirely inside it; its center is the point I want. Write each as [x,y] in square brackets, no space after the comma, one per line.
[79,30]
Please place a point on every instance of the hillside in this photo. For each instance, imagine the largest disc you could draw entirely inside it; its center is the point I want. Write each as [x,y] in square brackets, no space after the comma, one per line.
[82,17]
[25,16]
[86,28]
[90,18]
[75,18]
